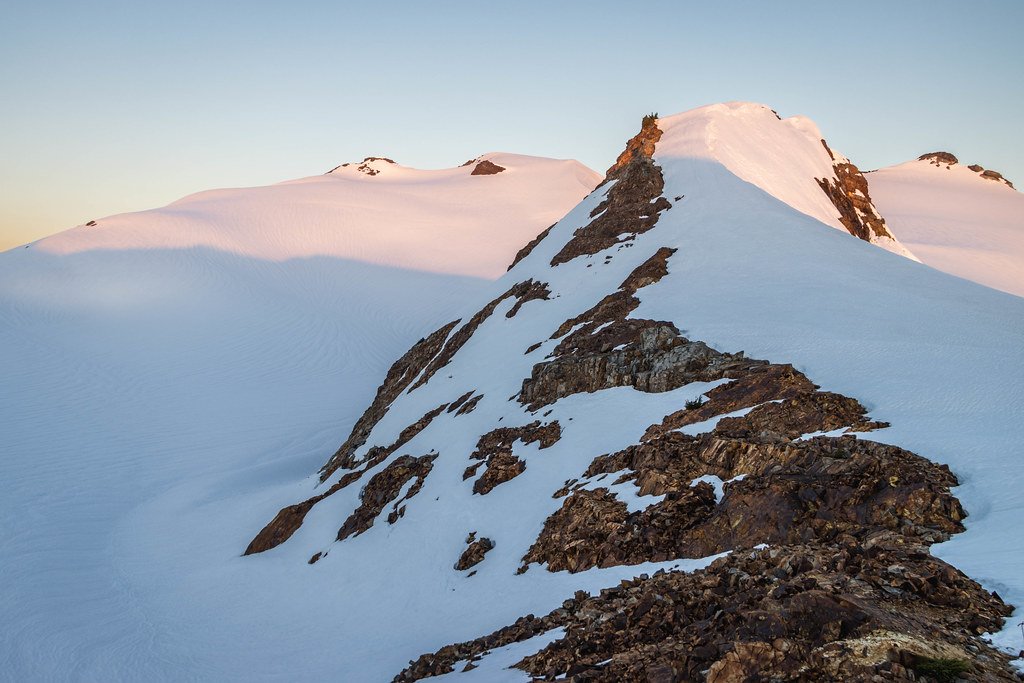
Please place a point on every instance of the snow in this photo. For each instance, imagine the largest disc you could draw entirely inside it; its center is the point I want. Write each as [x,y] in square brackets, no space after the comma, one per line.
[494,666]
[717,483]
[955,220]
[388,219]
[626,491]
[172,362]
[164,403]
[751,142]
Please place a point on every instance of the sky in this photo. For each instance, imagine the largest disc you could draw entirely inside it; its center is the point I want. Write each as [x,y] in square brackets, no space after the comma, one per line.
[114,106]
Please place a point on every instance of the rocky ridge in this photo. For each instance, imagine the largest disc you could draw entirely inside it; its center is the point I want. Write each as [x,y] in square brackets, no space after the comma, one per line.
[846,587]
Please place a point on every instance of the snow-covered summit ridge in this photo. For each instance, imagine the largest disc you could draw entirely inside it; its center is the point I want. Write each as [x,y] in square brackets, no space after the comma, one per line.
[786,157]
[376,211]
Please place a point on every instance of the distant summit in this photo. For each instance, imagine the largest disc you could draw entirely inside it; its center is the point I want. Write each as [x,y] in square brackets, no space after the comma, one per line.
[948,160]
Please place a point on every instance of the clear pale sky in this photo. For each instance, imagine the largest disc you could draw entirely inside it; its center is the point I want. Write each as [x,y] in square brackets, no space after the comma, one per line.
[113,106]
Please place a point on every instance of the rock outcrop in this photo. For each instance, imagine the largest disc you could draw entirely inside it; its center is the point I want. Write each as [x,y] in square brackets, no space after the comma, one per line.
[948,160]
[878,608]
[486,167]
[633,202]
[848,191]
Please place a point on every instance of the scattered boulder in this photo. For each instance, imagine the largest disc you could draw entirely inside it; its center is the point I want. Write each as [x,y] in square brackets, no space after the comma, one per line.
[474,552]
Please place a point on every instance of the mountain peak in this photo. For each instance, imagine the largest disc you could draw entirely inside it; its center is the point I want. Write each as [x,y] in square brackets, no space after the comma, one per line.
[370,165]
[940,159]
[787,158]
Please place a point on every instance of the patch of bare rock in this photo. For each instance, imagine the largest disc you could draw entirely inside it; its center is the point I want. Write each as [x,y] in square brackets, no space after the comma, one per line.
[494,453]
[476,549]
[848,192]
[486,167]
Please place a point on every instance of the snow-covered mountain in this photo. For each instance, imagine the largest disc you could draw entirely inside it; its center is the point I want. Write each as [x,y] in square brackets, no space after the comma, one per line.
[700,359]
[666,333]
[962,219]
[233,331]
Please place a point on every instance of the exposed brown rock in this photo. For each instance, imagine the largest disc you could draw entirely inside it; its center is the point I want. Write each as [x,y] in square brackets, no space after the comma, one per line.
[862,610]
[522,291]
[383,488]
[470,405]
[457,403]
[632,205]
[494,451]
[399,376]
[500,467]
[525,251]
[799,409]
[474,552]
[486,167]
[651,357]
[759,382]
[289,519]
[791,493]
[939,158]
[532,292]
[849,193]
[607,349]
[995,175]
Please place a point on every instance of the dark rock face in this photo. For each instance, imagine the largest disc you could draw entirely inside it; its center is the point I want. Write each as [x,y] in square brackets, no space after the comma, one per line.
[494,452]
[474,552]
[758,385]
[522,292]
[289,519]
[996,176]
[856,610]
[487,168]
[525,251]
[383,488]
[849,193]
[400,376]
[939,158]
[791,492]
[606,349]
[633,204]
[653,357]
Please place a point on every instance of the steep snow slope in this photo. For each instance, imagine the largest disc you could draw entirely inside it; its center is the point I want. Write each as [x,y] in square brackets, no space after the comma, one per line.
[955,220]
[376,212]
[234,329]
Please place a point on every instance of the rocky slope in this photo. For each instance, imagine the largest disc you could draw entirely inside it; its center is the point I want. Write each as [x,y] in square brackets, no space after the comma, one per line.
[572,426]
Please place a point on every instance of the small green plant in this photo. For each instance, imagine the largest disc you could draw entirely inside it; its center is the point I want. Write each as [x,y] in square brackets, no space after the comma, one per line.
[650,118]
[942,669]
[695,403]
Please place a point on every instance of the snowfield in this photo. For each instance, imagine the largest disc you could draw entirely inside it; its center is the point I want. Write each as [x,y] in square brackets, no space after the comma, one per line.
[955,220]
[161,404]
[234,333]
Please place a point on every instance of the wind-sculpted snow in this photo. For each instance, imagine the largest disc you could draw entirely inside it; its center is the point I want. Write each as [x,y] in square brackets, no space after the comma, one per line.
[750,256]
